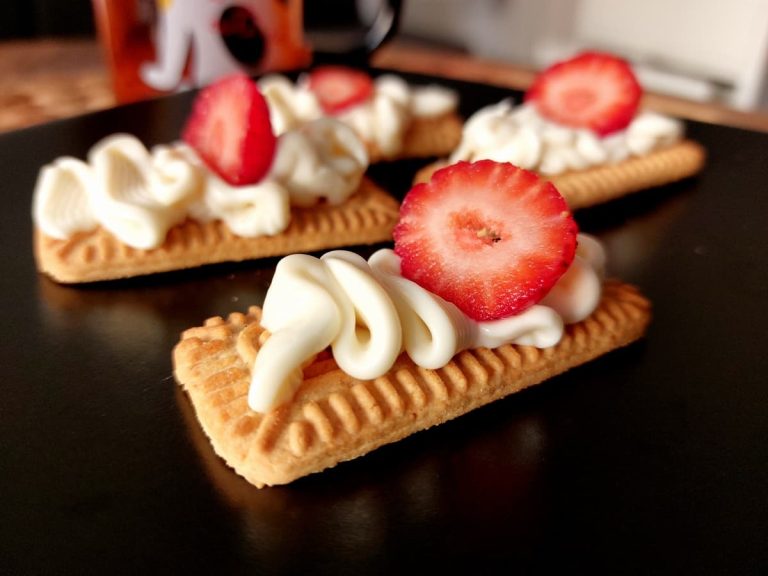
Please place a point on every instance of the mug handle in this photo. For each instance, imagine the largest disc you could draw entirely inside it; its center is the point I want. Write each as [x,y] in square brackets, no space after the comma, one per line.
[384,26]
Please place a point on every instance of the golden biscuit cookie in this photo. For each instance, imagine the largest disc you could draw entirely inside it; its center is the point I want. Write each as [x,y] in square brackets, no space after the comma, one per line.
[425,137]
[335,417]
[367,217]
[585,188]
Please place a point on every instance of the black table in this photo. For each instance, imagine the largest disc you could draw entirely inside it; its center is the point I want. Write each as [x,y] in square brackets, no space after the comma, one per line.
[651,460]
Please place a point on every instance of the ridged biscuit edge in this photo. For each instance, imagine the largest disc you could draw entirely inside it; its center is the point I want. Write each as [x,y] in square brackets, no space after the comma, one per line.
[592,186]
[367,217]
[335,417]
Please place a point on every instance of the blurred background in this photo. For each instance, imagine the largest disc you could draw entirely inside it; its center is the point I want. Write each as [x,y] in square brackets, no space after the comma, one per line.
[700,51]
[36,18]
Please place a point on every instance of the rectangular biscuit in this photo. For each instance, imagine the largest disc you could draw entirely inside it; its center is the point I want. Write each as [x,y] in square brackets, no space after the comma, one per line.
[584,188]
[366,217]
[335,417]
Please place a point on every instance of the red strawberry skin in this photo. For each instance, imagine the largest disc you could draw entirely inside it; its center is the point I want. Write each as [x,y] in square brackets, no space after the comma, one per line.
[230,130]
[489,237]
[338,87]
[592,90]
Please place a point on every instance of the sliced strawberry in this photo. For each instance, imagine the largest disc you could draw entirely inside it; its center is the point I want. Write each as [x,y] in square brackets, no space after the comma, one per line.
[230,130]
[489,237]
[593,90]
[338,87]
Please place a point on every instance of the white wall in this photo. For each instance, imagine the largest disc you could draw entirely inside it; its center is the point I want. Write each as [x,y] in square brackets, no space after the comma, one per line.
[701,49]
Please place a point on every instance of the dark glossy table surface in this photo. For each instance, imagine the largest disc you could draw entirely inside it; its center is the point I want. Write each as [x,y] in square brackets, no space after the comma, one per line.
[651,460]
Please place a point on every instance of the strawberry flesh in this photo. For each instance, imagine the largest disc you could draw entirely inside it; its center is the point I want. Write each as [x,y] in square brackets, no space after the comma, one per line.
[489,237]
[229,128]
[593,90]
[338,87]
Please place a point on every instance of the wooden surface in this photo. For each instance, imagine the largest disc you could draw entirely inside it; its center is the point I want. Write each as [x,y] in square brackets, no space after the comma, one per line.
[44,80]
[50,79]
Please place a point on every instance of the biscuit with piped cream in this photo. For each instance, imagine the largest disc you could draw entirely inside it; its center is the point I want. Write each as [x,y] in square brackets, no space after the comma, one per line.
[334,417]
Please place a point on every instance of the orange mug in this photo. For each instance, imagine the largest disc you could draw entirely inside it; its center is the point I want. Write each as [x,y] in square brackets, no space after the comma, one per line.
[159,46]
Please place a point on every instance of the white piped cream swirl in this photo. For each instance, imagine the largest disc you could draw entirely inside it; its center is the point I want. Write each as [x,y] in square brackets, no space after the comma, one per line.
[61,205]
[381,120]
[368,313]
[321,159]
[139,195]
[520,135]
[289,107]
[136,197]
